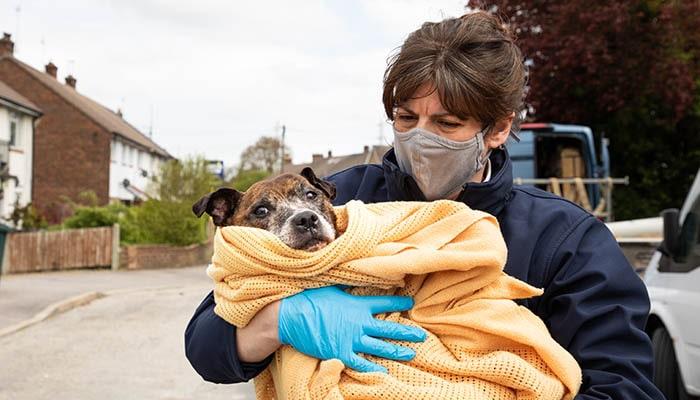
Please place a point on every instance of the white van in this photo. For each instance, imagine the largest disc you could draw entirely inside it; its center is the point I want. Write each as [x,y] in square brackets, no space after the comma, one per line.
[673,280]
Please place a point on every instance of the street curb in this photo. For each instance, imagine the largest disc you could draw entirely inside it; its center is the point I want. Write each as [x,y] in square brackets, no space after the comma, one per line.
[53,309]
[70,303]
[144,289]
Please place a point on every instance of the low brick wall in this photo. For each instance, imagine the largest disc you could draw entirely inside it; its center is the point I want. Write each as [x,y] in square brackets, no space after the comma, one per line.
[164,256]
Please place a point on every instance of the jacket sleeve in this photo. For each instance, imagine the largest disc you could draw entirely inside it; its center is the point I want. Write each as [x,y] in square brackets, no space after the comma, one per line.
[596,307]
[210,346]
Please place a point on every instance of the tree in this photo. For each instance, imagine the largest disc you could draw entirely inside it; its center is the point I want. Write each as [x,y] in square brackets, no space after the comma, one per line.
[184,180]
[630,69]
[246,178]
[264,155]
[169,218]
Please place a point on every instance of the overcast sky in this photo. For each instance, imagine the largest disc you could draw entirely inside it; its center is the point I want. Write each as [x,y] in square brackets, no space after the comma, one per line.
[217,74]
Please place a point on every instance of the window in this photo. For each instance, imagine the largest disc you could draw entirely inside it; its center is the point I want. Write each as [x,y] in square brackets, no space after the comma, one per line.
[146,161]
[124,151]
[14,130]
[689,235]
[687,256]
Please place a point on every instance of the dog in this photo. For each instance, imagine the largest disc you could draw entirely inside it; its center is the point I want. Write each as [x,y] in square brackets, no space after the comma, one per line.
[296,208]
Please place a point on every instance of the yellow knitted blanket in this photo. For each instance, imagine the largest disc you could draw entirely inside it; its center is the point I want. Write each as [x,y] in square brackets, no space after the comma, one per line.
[449,258]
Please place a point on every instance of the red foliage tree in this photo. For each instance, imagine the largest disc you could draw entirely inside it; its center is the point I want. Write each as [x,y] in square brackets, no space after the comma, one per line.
[630,68]
[593,58]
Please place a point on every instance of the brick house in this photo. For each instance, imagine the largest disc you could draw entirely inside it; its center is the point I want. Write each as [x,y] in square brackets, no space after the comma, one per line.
[79,144]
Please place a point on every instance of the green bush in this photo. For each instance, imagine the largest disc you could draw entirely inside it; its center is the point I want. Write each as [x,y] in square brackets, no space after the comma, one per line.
[152,222]
[157,221]
[92,217]
[28,217]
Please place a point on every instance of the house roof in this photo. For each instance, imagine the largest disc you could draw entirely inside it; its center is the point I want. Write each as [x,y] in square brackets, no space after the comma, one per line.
[100,114]
[8,94]
[325,166]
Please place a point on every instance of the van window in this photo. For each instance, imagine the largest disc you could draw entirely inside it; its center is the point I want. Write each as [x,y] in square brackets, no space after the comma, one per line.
[687,256]
[689,237]
[561,157]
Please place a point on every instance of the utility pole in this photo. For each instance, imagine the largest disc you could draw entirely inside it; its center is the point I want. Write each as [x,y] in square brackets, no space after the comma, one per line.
[284,130]
[150,124]
[18,11]
[43,49]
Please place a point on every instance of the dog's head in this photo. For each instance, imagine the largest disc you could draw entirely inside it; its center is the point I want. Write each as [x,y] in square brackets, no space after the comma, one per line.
[296,208]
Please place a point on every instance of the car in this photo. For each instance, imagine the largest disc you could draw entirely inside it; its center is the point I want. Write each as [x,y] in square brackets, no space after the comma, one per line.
[673,281]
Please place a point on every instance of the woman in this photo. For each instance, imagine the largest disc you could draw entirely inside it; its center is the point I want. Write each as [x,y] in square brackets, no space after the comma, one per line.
[454,93]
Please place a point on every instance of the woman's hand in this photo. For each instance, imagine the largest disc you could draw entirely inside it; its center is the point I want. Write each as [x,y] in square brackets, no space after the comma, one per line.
[258,339]
[328,323]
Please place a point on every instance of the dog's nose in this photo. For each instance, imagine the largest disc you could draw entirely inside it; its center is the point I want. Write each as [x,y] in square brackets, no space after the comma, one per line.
[306,220]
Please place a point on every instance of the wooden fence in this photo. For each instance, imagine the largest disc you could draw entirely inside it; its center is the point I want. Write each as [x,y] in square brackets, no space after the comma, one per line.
[61,250]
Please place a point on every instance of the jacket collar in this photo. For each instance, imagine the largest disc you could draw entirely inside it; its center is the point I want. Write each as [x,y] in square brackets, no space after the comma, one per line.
[489,196]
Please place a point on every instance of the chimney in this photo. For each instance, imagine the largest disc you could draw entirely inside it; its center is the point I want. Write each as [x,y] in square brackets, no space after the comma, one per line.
[365,150]
[51,69]
[70,81]
[316,158]
[120,113]
[330,154]
[7,46]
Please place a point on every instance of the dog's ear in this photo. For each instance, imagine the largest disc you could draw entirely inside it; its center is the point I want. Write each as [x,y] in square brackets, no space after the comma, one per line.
[326,187]
[200,206]
[220,204]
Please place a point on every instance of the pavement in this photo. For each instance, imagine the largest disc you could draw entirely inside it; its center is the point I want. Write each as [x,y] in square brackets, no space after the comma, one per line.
[125,343]
[22,296]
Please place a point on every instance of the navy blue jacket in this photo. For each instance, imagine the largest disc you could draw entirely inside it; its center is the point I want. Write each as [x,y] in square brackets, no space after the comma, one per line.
[594,304]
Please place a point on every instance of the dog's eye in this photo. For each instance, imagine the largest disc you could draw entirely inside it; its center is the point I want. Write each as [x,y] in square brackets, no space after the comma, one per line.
[311,195]
[261,212]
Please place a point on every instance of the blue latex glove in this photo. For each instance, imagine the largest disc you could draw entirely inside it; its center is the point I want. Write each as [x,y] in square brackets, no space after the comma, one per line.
[328,323]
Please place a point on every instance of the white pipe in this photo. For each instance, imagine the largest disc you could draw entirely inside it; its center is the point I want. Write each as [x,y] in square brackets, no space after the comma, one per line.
[646,230]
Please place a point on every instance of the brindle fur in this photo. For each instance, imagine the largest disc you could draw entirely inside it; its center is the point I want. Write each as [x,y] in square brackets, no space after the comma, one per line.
[285,197]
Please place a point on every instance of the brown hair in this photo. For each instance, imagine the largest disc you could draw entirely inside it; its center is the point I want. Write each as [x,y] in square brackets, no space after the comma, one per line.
[471,61]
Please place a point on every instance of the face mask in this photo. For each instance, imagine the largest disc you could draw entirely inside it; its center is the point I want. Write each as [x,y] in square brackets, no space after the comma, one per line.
[439,166]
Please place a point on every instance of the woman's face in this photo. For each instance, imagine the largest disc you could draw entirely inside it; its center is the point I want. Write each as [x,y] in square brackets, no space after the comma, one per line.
[424,110]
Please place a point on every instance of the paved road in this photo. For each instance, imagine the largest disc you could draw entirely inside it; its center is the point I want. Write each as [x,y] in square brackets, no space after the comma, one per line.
[24,295]
[124,346]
